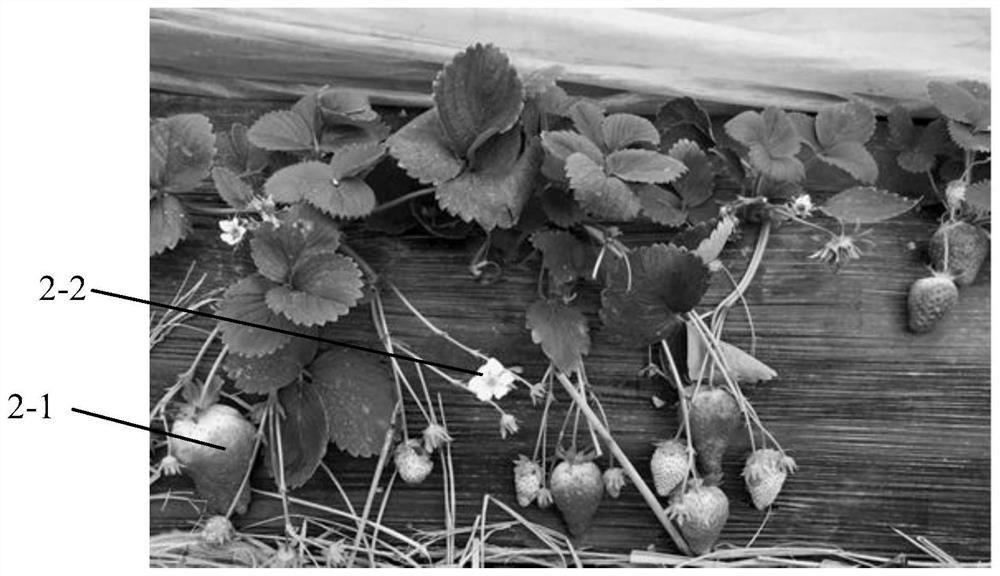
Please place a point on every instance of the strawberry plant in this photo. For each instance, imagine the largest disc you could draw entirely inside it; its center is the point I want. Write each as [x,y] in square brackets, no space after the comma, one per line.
[544,176]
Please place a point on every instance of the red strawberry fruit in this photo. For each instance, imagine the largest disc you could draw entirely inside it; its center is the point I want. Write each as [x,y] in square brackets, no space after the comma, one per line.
[701,512]
[670,466]
[217,474]
[967,245]
[577,489]
[412,462]
[929,300]
[714,416]
[765,473]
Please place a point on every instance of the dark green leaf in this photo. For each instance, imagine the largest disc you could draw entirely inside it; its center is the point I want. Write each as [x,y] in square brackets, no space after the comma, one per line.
[267,373]
[599,194]
[661,205]
[324,286]
[564,255]
[181,151]
[562,332]
[282,130]
[304,432]
[644,166]
[421,150]
[244,301]
[359,397]
[231,188]
[867,205]
[168,223]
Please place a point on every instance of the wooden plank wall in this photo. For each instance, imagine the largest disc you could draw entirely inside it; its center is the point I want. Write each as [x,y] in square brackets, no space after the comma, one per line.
[889,429]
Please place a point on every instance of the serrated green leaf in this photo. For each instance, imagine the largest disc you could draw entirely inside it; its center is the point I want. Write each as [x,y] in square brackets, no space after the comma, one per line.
[316,183]
[244,301]
[902,132]
[683,118]
[968,103]
[710,248]
[540,87]
[351,161]
[661,205]
[340,136]
[307,107]
[773,142]
[181,151]
[588,119]
[853,158]
[599,194]
[498,154]
[421,150]
[666,282]
[282,130]
[344,106]
[866,205]
[563,254]
[302,231]
[323,287]
[477,94]
[236,153]
[560,207]
[841,131]
[622,130]
[168,223]
[967,139]
[492,197]
[562,332]
[697,183]
[264,374]
[231,188]
[359,398]
[743,368]
[561,143]
[977,196]
[644,166]
[304,433]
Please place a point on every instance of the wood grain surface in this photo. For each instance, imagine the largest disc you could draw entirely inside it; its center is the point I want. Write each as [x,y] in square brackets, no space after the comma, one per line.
[889,429]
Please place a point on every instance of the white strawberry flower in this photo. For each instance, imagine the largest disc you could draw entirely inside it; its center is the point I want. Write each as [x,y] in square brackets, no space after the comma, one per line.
[802,206]
[233,230]
[493,382]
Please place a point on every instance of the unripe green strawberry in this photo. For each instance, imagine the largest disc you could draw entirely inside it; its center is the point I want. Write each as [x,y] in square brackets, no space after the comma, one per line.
[217,474]
[527,480]
[218,531]
[714,416]
[929,300]
[412,462]
[765,473]
[669,465]
[577,489]
[701,512]
[967,245]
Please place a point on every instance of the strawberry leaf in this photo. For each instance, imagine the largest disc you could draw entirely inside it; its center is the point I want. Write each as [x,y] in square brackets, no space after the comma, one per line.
[965,102]
[181,151]
[478,94]
[867,205]
[683,119]
[840,134]
[493,195]
[599,194]
[710,248]
[773,142]
[265,374]
[743,368]
[562,332]
[666,281]
[661,205]
[323,287]
[168,223]
[977,196]
[236,153]
[967,139]
[353,160]
[917,146]
[304,433]
[559,206]
[644,166]
[340,106]
[561,143]
[359,398]
[244,301]
[316,183]
[563,254]
[283,130]
[622,130]
[697,183]
[540,87]
[302,231]
[231,188]
[588,119]
[421,149]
